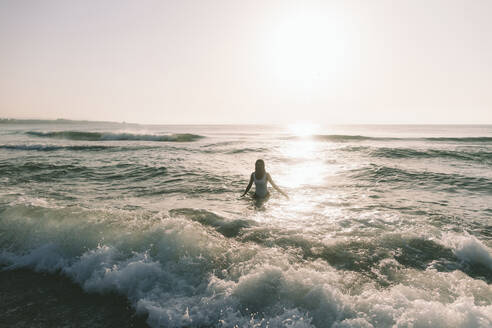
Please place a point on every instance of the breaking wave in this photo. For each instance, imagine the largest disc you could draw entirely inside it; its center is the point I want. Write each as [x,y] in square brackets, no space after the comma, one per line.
[106,136]
[49,148]
[178,273]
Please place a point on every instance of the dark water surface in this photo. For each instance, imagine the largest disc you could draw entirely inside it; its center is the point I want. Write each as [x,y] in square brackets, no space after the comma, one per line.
[32,299]
[386,225]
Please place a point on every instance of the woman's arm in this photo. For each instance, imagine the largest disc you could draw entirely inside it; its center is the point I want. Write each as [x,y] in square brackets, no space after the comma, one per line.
[269,178]
[249,185]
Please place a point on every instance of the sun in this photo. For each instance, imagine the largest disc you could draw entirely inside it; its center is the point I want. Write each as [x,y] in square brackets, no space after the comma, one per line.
[307,48]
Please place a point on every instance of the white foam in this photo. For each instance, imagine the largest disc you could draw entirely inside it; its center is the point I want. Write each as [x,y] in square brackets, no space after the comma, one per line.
[182,274]
[461,313]
[469,249]
[43,258]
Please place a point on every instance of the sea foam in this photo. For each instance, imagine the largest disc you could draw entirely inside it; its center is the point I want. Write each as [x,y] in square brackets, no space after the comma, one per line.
[180,274]
[469,249]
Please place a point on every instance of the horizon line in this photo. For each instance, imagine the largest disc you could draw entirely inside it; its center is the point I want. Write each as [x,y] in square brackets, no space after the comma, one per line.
[4,119]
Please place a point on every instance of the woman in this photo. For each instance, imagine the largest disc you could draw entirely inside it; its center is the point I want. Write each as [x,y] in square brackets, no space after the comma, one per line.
[261,178]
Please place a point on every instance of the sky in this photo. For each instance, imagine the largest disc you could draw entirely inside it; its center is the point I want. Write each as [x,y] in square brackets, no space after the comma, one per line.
[247,62]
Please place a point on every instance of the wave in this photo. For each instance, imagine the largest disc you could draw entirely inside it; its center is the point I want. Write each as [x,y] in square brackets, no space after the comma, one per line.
[464,139]
[425,179]
[179,274]
[130,178]
[40,172]
[469,249]
[386,152]
[210,150]
[361,255]
[228,228]
[247,150]
[48,148]
[353,138]
[107,136]
[431,153]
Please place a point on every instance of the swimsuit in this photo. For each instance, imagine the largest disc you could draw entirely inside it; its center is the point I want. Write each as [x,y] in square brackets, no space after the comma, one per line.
[261,186]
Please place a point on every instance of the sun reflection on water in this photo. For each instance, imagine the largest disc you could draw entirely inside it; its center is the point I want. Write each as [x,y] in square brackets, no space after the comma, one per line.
[302,173]
[303,168]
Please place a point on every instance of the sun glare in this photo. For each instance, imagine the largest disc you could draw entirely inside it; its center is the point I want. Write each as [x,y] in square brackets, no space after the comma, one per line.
[303,129]
[307,47]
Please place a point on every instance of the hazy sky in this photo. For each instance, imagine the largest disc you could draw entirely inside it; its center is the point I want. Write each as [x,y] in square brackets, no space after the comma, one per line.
[239,61]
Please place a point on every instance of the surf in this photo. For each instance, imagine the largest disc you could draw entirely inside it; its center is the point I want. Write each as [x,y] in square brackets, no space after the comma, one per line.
[108,136]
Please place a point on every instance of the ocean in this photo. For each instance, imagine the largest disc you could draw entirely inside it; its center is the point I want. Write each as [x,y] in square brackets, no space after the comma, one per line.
[114,224]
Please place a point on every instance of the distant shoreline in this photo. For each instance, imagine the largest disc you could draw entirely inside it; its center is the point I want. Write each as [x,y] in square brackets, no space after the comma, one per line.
[68,121]
[56,121]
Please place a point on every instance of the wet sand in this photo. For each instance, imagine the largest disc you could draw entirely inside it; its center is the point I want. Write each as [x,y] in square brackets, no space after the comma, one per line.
[30,299]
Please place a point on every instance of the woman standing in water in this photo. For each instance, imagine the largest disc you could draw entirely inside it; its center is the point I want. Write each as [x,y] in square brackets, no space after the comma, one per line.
[261,178]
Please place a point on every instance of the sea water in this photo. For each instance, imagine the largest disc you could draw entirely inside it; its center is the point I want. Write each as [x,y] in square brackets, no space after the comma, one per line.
[385,225]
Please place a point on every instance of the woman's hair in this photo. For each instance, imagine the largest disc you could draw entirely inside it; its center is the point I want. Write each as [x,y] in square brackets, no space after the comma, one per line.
[260,169]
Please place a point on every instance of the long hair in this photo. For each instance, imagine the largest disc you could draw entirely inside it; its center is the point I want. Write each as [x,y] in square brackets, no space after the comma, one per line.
[260,169]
